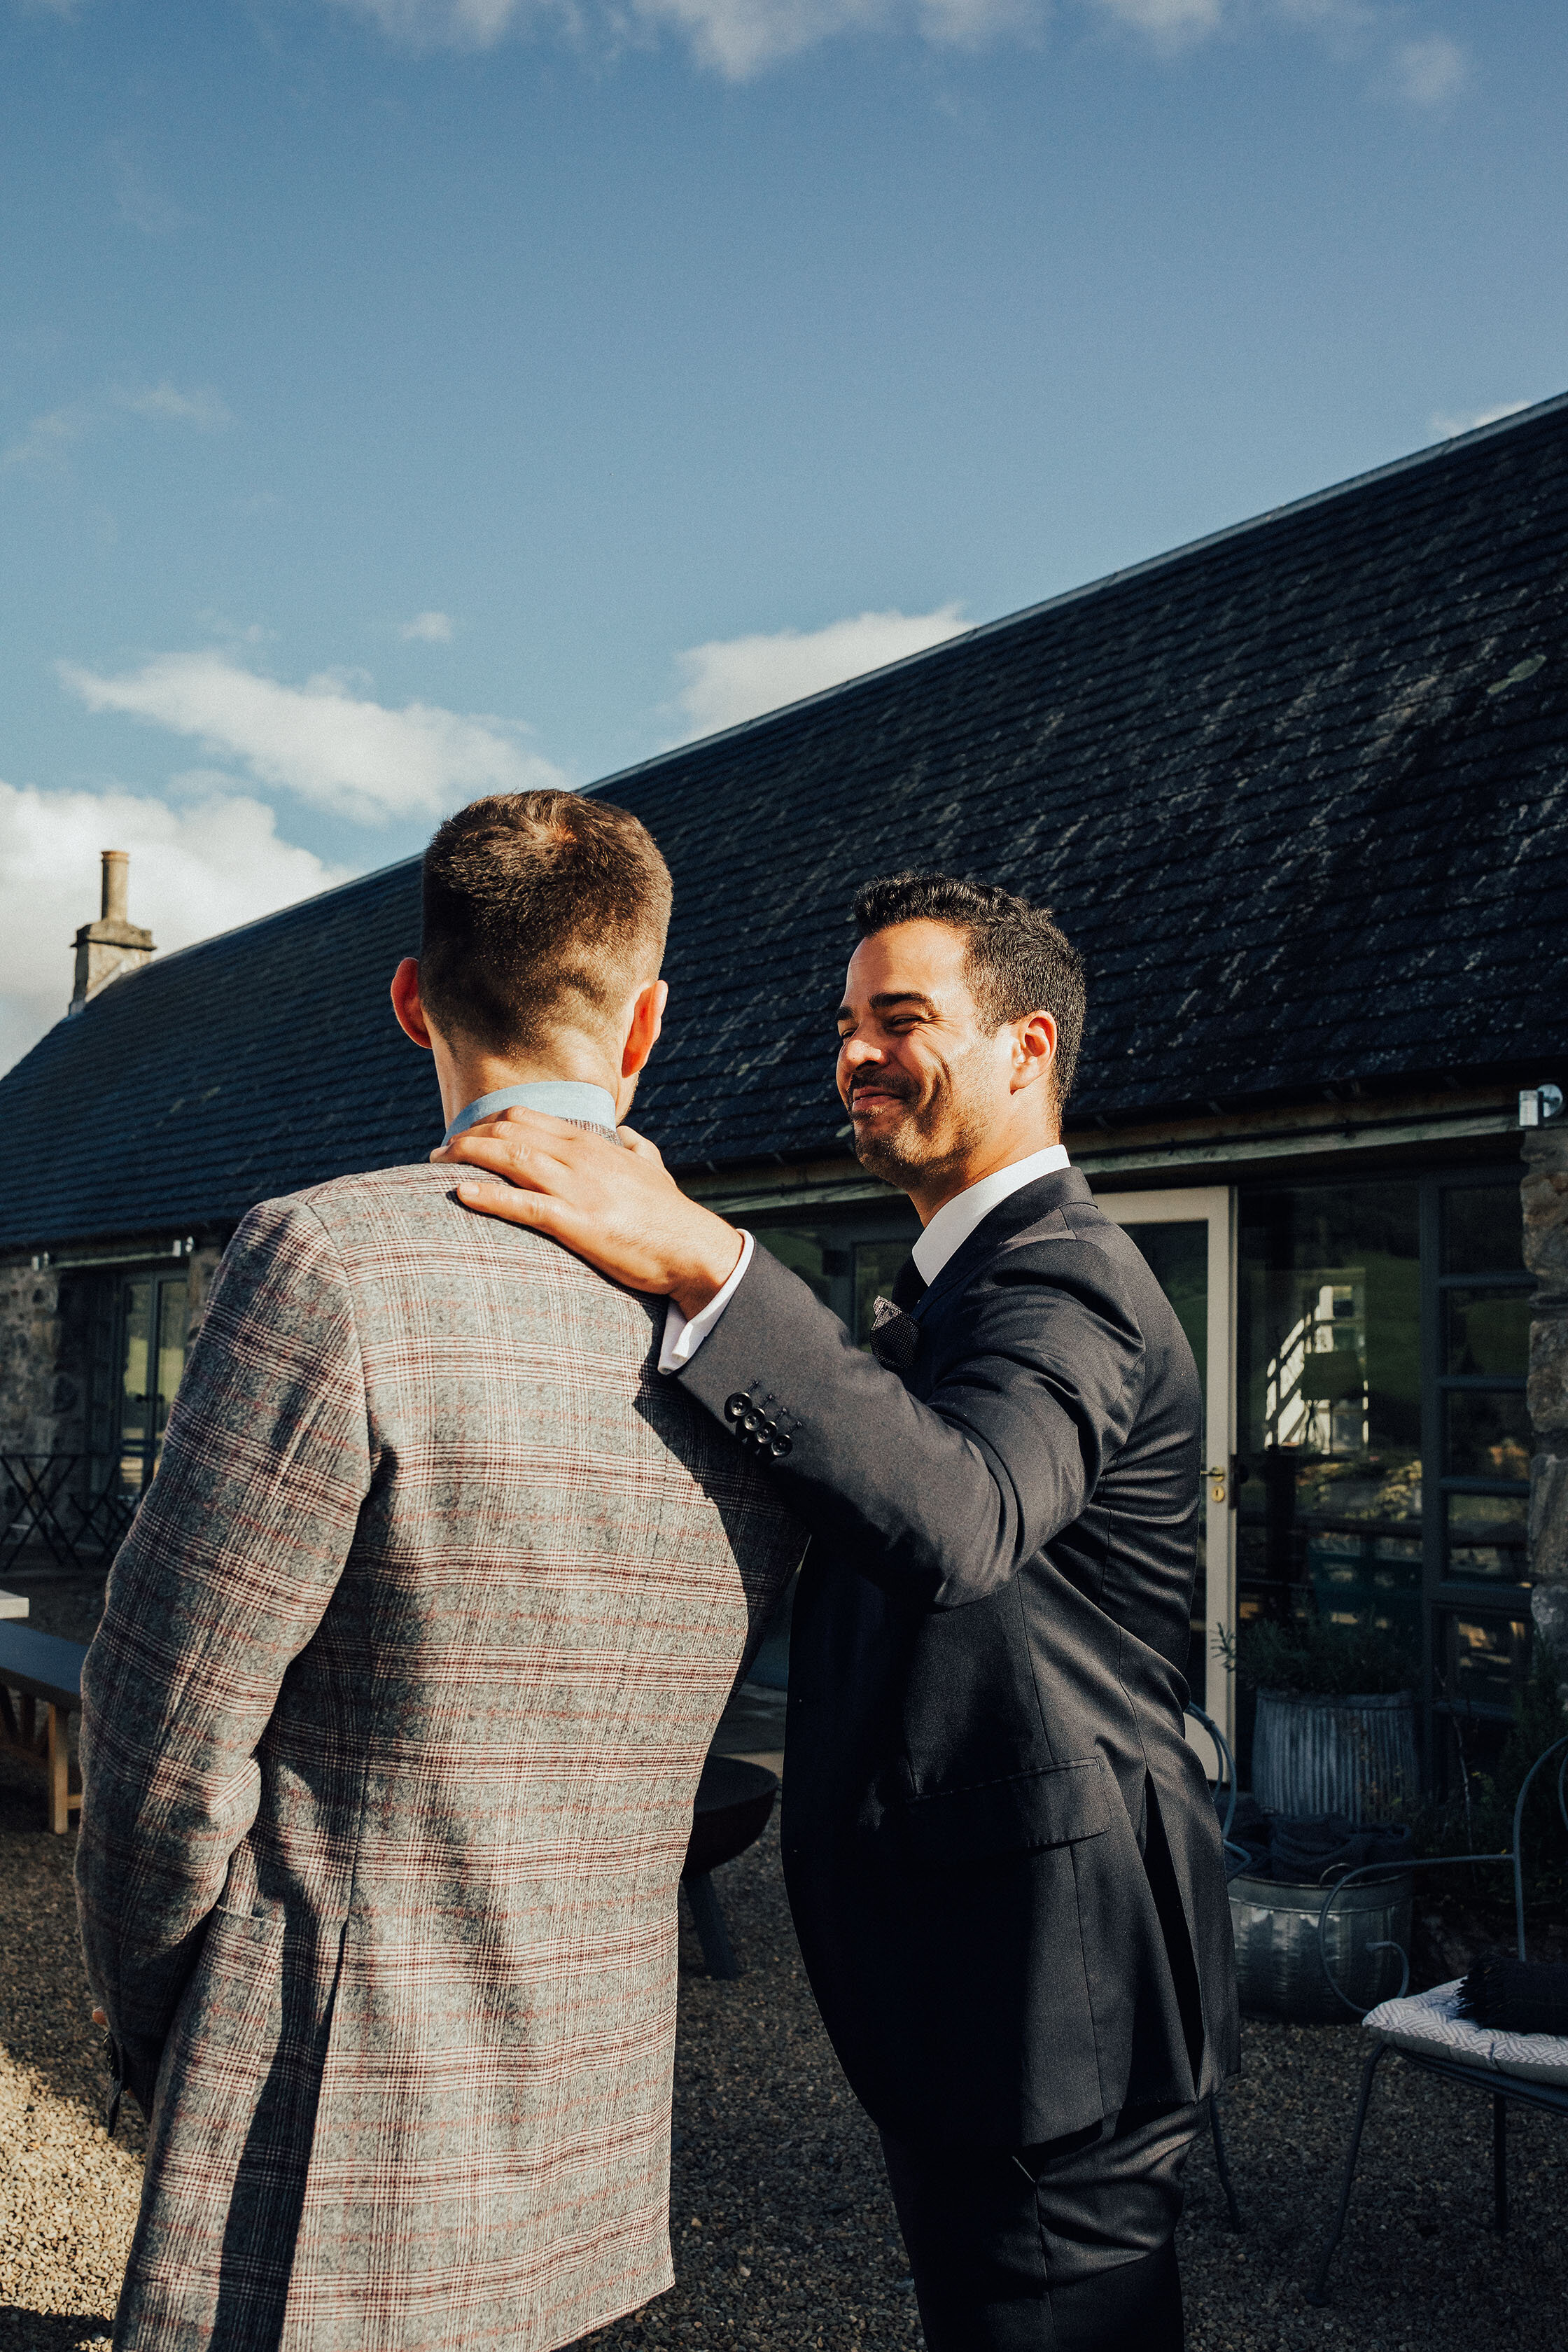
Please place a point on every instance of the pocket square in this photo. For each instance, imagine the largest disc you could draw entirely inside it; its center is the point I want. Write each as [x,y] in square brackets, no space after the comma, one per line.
[895,1336]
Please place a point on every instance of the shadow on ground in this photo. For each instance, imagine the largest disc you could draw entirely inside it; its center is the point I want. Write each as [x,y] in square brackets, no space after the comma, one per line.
[36,2331]
[783,2234]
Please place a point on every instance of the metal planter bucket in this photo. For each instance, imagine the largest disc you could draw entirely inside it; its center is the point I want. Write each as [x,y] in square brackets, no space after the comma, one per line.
[1356,1757]
[1278,1966]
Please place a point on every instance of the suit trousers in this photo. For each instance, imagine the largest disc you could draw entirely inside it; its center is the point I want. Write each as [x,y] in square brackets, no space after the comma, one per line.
[1066,2247]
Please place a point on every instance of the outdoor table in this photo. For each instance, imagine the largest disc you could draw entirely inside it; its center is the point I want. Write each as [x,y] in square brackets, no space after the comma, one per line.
[40,1684]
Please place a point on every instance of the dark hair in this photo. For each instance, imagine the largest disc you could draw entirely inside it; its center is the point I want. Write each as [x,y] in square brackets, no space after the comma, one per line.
[539,909]
[1018,961]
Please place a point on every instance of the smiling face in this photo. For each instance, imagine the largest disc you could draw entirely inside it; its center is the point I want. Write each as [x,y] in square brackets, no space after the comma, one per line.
[937,1095]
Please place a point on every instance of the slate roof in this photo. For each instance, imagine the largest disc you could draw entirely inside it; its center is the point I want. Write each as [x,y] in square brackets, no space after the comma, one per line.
[1298,792]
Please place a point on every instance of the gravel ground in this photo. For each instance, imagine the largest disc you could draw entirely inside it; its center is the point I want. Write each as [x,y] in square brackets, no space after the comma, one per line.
[783,2232]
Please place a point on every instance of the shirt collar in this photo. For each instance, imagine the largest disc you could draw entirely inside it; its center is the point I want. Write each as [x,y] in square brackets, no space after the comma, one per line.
[563,1097]
[956,1219]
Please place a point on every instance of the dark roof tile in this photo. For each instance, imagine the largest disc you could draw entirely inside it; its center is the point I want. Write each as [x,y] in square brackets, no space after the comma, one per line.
[1281,788]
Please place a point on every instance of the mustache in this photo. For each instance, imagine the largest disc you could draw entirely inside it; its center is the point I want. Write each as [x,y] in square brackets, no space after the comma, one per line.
[885,1084]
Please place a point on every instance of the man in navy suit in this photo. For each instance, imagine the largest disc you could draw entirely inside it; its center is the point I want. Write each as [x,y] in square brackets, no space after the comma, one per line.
[1001,1852]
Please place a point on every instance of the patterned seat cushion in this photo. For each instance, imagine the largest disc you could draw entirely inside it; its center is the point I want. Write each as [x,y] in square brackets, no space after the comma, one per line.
[1427,2024]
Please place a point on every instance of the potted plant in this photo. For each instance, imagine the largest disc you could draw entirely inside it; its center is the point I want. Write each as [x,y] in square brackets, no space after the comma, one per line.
[1335,1724]
[1334,1733]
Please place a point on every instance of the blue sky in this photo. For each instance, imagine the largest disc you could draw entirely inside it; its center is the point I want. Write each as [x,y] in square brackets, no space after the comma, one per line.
[404,398]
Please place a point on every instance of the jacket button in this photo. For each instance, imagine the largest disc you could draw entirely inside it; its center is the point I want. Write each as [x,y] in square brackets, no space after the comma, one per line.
[736,1407]
[779,1448]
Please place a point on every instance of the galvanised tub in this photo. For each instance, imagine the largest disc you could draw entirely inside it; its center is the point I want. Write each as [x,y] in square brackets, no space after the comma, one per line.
[1350,1755]
[1279,1964]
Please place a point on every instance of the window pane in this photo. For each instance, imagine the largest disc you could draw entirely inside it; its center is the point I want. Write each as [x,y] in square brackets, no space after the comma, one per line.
[1488,1434]
[135,1362]
[1487,1331]
[1486,1660]
[1360,1580]
[804,1251]
[1482,1229]
[1487,1536]
[104,1380]
[1329,1504]
[1178,1258]
[876,1264]
[173,1298]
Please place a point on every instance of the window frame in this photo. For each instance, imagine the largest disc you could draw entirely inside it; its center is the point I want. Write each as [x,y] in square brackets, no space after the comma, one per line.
[1448,1599]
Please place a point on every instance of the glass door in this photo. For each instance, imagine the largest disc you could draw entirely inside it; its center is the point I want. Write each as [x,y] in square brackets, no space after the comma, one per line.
[152,1357]
[1188,1238]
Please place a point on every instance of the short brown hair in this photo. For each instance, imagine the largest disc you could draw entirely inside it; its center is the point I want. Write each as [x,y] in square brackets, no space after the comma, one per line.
[1018,960]
[541,911]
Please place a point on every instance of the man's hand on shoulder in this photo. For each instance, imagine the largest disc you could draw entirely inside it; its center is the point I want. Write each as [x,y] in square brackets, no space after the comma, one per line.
[620,1208]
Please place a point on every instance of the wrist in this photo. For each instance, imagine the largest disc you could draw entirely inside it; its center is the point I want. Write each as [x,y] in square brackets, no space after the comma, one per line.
[715,1254]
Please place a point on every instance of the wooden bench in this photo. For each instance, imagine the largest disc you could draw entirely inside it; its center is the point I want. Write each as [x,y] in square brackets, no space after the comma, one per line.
[40,1684]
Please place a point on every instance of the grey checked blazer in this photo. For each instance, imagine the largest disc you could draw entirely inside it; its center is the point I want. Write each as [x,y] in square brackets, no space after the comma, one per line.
[391,1733]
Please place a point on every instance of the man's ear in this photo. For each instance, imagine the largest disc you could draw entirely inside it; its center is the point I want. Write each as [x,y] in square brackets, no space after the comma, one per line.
[1035,1050]
[648,1020]
[406,1003]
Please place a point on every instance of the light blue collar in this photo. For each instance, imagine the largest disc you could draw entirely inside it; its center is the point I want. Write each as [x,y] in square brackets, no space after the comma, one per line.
[563,1097]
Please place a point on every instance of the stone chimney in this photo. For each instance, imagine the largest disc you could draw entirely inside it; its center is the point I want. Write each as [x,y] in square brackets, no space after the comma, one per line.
[112,945]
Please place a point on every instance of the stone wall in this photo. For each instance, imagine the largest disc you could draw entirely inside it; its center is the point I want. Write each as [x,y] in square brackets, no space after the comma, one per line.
[46,1319]
[1545,1195]
[42,1361]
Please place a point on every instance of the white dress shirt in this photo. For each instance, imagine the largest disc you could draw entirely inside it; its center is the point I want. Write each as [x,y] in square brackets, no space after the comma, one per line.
[956,1219]
[682,1338]
[947,1232]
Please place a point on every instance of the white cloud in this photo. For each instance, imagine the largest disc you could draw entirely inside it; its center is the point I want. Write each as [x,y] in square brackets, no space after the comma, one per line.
[194,870]
[441,24]
[735,38]
[734,678]
[202,407]
[1467,420]
[334,748]
[43,446]
[1168,22]
[741,39]
[1430,72]
[738,38]
[429,628]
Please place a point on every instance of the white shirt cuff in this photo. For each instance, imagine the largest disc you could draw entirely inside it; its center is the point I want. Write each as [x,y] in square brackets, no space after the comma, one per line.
[682,1338]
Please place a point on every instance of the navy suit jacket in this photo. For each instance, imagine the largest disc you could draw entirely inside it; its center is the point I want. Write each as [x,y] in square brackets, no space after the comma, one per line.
[1001,1852]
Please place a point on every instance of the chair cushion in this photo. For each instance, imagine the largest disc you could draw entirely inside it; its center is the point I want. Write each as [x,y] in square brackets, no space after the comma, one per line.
[1428,2026]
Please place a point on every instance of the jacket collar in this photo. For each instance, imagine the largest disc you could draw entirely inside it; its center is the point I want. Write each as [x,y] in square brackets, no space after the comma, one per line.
[1010,1217]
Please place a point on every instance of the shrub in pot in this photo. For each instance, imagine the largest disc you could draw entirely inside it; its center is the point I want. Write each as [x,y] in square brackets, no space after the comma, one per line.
[1335,1724]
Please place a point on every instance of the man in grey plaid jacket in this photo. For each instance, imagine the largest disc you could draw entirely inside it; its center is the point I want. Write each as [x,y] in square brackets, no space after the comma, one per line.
[404,1685]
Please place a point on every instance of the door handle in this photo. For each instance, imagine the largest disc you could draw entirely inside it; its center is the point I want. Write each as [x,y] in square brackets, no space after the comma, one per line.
[1217,1482]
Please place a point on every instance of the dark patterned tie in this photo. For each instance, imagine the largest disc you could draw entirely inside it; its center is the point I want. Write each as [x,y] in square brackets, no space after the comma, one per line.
[895,1334]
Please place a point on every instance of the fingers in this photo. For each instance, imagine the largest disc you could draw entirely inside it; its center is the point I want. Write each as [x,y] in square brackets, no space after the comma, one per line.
[518,1162]
[574,1228]
[100,2019]
[520,1130]
[639,1146]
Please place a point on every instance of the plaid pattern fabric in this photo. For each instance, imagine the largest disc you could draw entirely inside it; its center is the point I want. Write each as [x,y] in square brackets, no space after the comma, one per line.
[391,1733]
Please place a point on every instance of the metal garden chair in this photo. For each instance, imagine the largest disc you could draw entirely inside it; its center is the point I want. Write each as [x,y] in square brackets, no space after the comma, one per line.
[1468,2074]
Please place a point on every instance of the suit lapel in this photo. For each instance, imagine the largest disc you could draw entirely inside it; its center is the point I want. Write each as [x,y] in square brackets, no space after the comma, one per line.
[1028,1206]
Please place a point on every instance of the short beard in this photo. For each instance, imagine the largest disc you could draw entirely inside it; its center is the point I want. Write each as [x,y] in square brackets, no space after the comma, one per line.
[905,1157]
[898,1159]
[881,1155]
